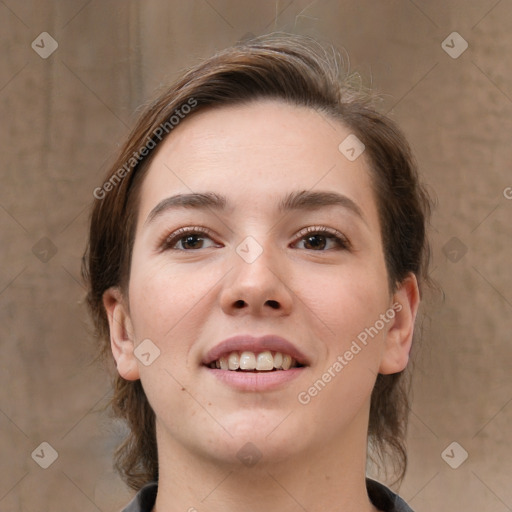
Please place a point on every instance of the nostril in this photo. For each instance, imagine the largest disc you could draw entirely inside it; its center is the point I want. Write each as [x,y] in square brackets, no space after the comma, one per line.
[273,304]
[239,304]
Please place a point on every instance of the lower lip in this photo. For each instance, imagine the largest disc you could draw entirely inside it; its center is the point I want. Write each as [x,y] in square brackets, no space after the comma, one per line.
[256,381]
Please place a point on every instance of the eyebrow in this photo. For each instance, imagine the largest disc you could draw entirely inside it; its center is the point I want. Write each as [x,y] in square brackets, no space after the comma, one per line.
[312,200]
[200,201]
[298,200]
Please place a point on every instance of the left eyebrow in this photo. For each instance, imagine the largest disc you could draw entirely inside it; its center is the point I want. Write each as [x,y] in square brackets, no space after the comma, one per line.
[310,200]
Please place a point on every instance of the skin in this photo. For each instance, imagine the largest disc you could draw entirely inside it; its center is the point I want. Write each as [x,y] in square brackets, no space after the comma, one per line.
[187,300]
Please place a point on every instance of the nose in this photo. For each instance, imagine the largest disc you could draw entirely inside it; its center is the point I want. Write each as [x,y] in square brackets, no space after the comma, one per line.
[257,287]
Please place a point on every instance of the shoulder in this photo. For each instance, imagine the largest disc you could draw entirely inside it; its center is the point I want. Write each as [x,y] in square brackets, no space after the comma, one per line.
[385,499]
[144,500]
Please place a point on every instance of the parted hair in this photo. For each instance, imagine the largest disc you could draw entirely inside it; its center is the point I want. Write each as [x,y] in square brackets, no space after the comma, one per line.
[302,72]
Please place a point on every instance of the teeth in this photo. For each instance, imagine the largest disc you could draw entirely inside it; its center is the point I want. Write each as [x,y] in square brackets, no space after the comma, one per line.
[247,361]
[234,361]
[264,361]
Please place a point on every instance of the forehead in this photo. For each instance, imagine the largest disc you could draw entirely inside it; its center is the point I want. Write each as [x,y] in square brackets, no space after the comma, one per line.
[256,153]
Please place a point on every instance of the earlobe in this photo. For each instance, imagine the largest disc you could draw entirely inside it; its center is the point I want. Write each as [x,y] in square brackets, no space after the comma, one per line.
[398,340]
[121,338]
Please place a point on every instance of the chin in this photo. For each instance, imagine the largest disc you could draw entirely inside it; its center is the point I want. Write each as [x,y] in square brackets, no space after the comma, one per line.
[262,435]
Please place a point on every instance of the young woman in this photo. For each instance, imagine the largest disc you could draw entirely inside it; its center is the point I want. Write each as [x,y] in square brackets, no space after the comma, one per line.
[255,261]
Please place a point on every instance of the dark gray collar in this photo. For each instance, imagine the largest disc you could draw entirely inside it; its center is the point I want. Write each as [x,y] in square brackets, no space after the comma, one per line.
[382,497]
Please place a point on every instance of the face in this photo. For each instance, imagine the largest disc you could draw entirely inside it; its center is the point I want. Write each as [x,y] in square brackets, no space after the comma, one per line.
[257,237]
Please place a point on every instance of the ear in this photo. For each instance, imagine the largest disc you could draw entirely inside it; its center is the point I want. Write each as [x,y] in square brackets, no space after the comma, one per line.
[121,333]
[398,340]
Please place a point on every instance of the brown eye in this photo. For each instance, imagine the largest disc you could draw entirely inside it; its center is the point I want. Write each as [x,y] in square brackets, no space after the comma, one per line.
[191,242]
[321,239]
[315,242]
[188,239]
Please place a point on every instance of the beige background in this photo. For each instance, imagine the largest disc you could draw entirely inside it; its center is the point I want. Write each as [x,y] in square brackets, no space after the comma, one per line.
[61,119]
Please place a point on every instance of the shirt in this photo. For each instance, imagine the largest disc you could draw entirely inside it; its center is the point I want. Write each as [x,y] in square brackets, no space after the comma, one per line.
[382,497]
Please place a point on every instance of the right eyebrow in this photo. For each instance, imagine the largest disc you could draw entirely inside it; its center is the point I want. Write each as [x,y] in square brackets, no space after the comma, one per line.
[208,200]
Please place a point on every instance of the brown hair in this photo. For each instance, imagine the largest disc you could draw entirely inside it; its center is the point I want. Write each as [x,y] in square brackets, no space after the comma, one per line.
[301,72]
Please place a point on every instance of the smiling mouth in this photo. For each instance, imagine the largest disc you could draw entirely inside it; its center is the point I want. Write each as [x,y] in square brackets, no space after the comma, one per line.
[247,361]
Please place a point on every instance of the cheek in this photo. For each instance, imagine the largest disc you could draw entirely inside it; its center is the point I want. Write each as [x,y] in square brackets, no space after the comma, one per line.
[167,307]
[344,300]
[165,298]
[345,311]
[345,305]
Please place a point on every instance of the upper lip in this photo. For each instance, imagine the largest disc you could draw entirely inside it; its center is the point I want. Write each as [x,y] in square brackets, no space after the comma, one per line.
[246,342]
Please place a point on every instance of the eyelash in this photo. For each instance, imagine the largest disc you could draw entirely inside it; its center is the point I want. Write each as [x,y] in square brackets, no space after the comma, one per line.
[171,240]
[339,238]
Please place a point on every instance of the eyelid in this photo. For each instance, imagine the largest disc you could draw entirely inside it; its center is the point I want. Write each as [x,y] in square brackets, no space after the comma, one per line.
[169,240]
[343,240]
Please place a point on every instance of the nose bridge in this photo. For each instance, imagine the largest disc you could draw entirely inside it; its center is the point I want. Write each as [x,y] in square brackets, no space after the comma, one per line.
[257,281]
[254,261]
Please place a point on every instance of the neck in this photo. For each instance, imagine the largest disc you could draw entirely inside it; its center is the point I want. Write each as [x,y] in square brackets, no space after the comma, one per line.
[325,478]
